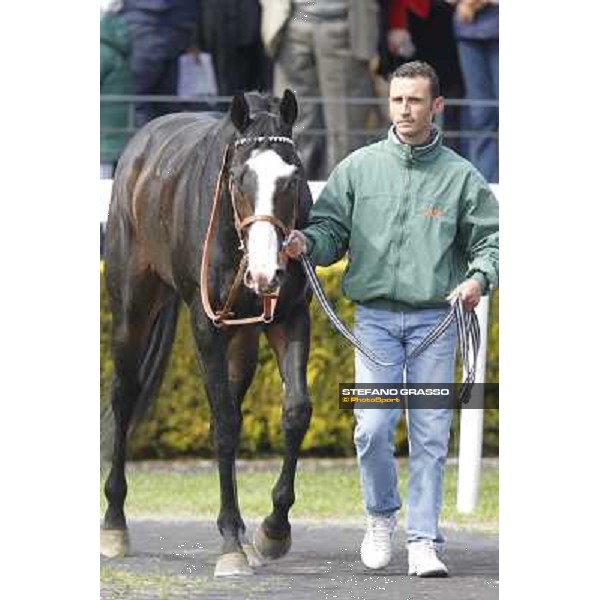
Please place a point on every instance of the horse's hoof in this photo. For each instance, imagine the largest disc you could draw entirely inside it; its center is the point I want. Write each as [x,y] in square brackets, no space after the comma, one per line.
[232,564]
[114,543]
[271,548]
[254,558]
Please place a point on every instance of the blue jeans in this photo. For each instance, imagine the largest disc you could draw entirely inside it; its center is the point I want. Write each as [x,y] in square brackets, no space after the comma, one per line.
[393,335]
[479,65]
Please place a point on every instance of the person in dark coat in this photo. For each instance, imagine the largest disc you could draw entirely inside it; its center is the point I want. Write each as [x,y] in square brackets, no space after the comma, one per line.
[161,30]
[229,30]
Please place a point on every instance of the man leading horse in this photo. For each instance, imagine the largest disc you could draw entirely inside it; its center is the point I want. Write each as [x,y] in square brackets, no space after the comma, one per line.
[418,223]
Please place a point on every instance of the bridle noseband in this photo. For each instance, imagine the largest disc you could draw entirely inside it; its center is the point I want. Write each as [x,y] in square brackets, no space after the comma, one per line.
[224,316]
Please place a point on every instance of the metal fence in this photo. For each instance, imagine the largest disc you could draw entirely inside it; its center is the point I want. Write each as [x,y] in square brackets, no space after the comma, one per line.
[453,121]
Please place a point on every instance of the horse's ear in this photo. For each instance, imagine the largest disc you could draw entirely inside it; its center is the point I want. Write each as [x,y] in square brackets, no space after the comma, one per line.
[240,112]
[288,109]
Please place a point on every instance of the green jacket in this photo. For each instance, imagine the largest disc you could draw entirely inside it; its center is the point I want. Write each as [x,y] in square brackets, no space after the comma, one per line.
[416,221]
[115,78]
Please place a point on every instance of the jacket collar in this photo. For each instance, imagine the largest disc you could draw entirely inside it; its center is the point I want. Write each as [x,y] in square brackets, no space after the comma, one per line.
[421,152]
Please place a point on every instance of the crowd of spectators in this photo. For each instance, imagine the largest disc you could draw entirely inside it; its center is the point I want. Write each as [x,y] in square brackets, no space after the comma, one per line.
[337,50]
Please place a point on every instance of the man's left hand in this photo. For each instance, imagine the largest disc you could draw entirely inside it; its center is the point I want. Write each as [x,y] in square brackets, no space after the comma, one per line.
[469,292]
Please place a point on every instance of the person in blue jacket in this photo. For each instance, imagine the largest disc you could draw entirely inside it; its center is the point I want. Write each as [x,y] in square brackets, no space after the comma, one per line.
[477,28]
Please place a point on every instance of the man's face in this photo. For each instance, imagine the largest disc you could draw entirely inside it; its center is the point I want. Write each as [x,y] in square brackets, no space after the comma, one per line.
[412,108]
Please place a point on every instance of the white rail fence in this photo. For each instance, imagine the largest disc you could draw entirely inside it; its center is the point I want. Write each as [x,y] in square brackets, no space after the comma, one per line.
[471,420]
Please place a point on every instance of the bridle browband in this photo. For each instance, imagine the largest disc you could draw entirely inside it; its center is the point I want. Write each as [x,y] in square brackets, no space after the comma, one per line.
[281,139]
[224,316]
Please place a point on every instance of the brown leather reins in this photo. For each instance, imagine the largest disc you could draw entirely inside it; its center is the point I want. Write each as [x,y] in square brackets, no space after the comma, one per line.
[224,316]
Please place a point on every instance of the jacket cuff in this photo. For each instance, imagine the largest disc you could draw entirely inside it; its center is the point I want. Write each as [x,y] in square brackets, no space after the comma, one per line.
[310,244]
[481,279]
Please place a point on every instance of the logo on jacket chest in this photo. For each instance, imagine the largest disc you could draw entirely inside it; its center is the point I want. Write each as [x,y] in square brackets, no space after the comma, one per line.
[433,211]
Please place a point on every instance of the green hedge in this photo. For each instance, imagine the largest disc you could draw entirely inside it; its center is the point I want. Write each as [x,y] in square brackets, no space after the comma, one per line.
[179,422]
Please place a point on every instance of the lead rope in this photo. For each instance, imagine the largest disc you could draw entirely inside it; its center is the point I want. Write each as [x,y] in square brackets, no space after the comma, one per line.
[469,340]
[467,324]
[469,337]
[335,320]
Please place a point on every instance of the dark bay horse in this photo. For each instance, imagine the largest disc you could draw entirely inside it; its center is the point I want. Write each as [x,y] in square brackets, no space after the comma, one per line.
[199,210]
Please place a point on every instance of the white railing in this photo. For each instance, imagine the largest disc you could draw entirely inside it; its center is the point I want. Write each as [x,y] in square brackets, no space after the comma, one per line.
[471,419]
[470,443]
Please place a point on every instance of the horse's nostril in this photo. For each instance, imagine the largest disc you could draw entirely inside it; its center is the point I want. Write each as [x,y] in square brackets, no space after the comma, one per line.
[268,287]
[262,283]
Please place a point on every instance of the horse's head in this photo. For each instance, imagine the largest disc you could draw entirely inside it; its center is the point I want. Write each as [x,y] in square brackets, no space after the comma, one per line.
[264,184]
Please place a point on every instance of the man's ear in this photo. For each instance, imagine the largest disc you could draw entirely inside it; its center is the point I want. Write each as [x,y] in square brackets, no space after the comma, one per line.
[438,105]
[288,108]
[240,112]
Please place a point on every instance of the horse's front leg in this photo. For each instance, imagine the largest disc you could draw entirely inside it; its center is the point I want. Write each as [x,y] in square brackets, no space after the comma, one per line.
[291,342]
[226,424]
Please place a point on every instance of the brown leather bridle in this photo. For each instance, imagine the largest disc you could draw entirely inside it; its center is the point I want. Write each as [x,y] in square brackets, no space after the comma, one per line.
[224,316]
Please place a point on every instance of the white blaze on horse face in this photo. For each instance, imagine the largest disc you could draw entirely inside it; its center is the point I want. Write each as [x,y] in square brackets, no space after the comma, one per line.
[268,166]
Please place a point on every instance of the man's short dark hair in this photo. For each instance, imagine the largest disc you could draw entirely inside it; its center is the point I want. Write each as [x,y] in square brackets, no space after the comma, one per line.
[418,68]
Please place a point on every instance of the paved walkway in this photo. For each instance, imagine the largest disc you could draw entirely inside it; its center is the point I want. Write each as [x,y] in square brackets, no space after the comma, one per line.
[175,559]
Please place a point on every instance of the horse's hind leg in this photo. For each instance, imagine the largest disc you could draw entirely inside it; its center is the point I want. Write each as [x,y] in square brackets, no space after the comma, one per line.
[291,341]
[143,333]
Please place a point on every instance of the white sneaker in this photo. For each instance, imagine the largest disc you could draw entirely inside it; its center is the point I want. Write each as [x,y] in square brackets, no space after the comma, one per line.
[423,560]
[376,547]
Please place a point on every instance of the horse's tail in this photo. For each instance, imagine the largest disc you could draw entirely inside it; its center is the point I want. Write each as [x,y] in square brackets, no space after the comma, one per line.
[150,374]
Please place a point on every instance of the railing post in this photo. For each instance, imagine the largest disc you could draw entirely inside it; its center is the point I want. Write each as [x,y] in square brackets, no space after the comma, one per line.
[471,426]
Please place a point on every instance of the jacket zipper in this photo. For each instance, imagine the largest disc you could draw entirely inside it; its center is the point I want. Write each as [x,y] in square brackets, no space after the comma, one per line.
[402,223]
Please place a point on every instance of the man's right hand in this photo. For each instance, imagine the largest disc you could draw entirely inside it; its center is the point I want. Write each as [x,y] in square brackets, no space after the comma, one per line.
[295,244]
